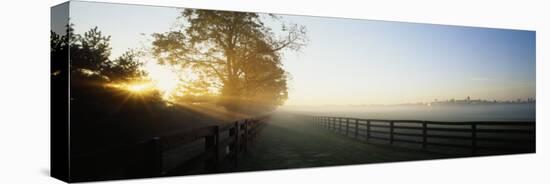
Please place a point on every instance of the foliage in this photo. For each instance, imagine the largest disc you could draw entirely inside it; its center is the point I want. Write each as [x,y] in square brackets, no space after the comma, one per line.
[238,52]
[90,66]
[125,68]
[89,58]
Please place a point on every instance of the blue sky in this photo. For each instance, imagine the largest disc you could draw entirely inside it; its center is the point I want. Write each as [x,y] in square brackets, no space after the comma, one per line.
[350,61]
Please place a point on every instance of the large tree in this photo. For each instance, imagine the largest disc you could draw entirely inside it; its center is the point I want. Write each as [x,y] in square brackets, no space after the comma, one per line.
[237,50]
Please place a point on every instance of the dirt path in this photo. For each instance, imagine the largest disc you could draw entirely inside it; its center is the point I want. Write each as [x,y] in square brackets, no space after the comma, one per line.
[288,141]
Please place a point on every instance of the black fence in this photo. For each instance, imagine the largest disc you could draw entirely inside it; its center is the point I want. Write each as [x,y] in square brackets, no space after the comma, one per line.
[472,138]
[219,147]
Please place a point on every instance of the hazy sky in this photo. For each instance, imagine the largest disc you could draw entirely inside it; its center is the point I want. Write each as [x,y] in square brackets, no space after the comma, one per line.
[363,62]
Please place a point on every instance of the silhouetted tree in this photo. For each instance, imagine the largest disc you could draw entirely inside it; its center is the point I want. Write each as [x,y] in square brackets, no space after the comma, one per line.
[59,50]
[90,66]
[89,53]
[237,49]
[89,58]
[125,68]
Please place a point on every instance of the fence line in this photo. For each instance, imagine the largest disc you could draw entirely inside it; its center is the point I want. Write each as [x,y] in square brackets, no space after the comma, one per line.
[473,136]
[217,150]
[145,159]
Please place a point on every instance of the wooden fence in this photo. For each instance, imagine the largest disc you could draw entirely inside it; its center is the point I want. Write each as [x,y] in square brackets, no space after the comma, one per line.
[145,159]
[475,138]
[216,149]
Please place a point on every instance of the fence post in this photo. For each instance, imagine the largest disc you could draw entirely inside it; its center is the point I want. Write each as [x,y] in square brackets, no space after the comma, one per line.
[237,132]
[474,139]
[211,142]
[347,126]
[424,135]
[333,123]
[245,134]
[217,148]
[154,149]
[340,126]
[391,132]
[337,124]
[236,144]
[356,128]
[368,131]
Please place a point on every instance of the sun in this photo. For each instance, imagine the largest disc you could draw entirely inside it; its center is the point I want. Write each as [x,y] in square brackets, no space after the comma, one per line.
[139,87]
[164,78]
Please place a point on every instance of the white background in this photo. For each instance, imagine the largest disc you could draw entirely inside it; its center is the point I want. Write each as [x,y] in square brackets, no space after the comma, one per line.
[24,91]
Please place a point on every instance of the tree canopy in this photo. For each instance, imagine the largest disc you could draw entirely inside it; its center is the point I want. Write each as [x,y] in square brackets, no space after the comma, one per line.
[90,54]
[235,52]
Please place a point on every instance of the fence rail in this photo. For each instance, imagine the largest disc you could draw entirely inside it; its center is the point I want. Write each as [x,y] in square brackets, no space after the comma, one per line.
[217,149]
[145,158]
[476,138]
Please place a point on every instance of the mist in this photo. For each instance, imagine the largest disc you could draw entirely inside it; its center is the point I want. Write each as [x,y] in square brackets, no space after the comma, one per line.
[457,112]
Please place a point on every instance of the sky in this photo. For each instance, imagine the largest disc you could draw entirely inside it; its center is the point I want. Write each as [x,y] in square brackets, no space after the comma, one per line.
[355,62]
